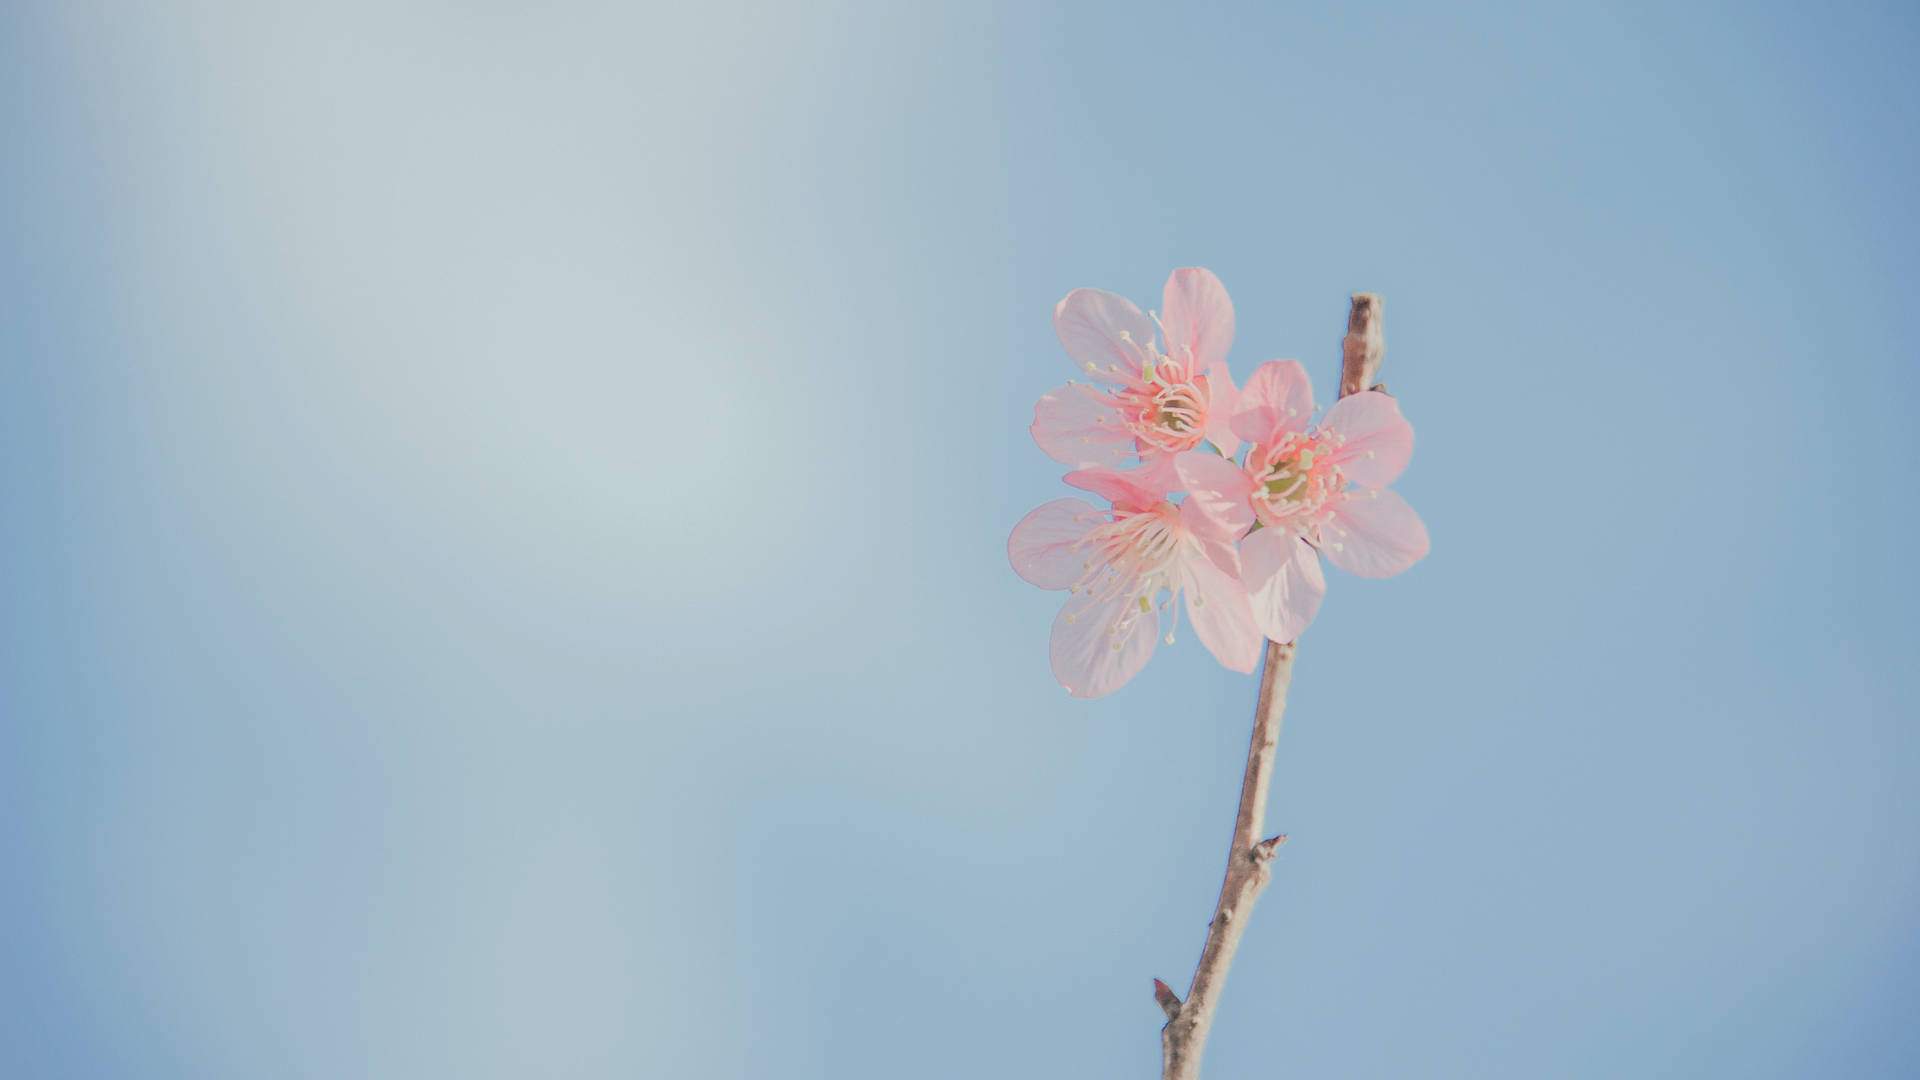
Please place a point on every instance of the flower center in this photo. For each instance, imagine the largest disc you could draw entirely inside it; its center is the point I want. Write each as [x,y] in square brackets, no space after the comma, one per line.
[1167,410]
[1130,555]
[1296,478]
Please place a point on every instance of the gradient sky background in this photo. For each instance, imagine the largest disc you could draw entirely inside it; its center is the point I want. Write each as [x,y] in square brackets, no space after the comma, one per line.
[502,520]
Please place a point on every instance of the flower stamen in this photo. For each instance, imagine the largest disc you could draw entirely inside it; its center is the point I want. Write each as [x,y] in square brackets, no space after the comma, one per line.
[1295,481]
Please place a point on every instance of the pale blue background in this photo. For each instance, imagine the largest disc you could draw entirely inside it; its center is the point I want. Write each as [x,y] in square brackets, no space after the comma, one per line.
[502,515]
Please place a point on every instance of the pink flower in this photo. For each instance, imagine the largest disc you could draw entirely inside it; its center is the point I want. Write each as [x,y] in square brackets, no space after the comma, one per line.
[1147,401]
[1117,562]
[1311,490]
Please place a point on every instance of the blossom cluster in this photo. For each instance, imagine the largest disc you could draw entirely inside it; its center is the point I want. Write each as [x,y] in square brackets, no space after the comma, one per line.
[1225,497]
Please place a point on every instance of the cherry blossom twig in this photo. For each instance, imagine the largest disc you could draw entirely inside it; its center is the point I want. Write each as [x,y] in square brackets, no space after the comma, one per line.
[1250,859]
[1364,345]
[1248,869]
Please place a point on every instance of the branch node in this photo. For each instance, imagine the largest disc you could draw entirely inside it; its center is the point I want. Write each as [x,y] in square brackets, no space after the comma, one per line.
[1265,850]
[1168,1000]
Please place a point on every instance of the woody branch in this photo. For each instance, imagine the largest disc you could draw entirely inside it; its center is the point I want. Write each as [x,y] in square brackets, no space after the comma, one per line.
[1250,859]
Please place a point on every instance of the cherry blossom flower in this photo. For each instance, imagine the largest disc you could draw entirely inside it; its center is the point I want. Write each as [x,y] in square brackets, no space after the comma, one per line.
[1116,563]
[1145,400]
[1310,490]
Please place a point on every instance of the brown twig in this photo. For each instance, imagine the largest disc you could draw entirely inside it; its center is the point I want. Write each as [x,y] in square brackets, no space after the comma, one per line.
[1365,344]
[1250,859]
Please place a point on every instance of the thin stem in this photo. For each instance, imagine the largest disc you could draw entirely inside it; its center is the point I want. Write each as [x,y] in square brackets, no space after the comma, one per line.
[1250,859]
[1249,867]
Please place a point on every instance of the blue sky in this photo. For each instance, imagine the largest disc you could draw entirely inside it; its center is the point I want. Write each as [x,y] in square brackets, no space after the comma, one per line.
[503,518]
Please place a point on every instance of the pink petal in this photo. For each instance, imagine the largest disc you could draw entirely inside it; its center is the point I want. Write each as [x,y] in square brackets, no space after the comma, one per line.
[1090,323]
[1220,410]
[1219,491]
[1217,604]
[1134,489]
[1284,582]
[1041,547]
[1084,658]
[1377,439]
[1220,545]
[1224,554]
[1076,425]
[1197,318]
[1276,401]
[1157,476]
[1373,534]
